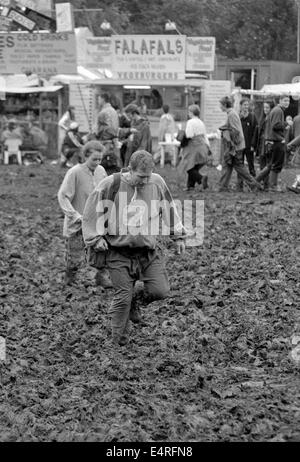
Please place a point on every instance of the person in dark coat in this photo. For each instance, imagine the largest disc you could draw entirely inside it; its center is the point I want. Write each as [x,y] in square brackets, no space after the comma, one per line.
[275,142]
[233,145]
[249,125]
[72,145]
[141,140]
[260,140]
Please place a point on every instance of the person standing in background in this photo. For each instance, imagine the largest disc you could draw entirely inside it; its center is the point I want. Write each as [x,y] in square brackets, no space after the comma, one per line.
[249,125]
[260,140]
[275,141]
[195,154]
[233,145]
[166,124]
[64,125]
[72,144]
[141,139]
[107,118]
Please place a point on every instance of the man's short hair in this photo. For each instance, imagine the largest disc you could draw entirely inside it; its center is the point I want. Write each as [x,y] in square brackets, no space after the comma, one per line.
[92,145]
[194,109]
[142,160]
[244,100]
[226,101]
[105,97]
[132,109]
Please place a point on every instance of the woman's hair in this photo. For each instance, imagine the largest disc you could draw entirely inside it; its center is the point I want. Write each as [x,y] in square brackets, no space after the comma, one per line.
[105,97]
[142,160]
[194,109]
[92,145]
[226,101]
[263,115]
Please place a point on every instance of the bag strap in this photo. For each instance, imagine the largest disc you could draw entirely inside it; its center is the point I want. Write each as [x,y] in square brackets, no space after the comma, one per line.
[114,187]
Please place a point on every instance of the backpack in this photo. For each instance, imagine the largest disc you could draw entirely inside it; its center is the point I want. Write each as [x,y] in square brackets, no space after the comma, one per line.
[97,259]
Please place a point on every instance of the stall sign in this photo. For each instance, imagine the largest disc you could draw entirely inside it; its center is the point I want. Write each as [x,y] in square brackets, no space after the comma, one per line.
[64,17]
[98,53]
[200,54]
[213,116]
[42,54]
[21,19]
[42,22]
[148,57]
[81,96]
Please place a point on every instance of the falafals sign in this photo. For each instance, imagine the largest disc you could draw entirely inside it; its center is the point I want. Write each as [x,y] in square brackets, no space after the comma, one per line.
[148,57]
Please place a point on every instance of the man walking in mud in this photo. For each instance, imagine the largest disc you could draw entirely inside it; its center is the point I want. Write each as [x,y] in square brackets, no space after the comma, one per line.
[233,145]
[124,217]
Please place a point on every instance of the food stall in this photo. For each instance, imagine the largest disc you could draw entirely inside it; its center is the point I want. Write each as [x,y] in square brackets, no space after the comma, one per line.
[41,104]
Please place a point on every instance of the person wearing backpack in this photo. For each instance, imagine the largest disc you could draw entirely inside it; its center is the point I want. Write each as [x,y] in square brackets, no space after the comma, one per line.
[78,183]
[233,145]
[123,219]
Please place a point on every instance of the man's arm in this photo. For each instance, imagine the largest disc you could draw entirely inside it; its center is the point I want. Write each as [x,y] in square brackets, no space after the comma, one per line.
[171,218]
[254,133]
[96,214]
[277,120]
[66,194]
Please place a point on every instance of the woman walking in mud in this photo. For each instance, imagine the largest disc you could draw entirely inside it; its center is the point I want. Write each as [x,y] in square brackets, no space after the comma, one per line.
[194,155]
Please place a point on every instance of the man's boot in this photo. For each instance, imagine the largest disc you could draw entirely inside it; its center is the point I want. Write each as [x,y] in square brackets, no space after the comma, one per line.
[102,279]
[121,339]
[273,181]
[70,275]
[135,315]
[204,182]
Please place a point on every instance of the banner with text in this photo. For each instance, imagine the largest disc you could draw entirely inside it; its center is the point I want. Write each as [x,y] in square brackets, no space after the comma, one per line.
[200,54]
[213,116]
[98,53]
[81,96]
[148,57]
[42,54]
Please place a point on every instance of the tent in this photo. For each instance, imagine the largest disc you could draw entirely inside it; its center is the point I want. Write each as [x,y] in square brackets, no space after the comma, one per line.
[291,89]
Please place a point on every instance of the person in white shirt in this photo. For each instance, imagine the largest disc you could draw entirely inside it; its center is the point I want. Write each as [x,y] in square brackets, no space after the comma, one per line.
[76,187]
[64,125]
[166,124]
[195,154]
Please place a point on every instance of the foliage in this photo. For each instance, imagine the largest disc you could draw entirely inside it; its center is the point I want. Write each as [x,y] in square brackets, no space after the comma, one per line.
[249,29]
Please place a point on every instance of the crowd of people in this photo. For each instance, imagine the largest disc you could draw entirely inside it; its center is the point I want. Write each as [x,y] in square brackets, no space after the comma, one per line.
[112,189]
[110,186]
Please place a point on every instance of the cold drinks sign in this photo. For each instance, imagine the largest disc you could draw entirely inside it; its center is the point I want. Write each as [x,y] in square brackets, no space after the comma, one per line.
[149,57]
[42,54]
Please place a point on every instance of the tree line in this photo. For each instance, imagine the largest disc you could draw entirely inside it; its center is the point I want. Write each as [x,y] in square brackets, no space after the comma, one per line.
[244,29]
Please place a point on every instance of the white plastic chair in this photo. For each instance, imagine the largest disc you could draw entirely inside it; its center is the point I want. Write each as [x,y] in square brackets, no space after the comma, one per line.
[12,146]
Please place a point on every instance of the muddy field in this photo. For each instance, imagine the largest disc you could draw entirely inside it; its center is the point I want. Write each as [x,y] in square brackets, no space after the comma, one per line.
[212,363]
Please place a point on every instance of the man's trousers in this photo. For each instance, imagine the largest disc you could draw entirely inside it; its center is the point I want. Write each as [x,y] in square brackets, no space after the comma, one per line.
[125,267]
